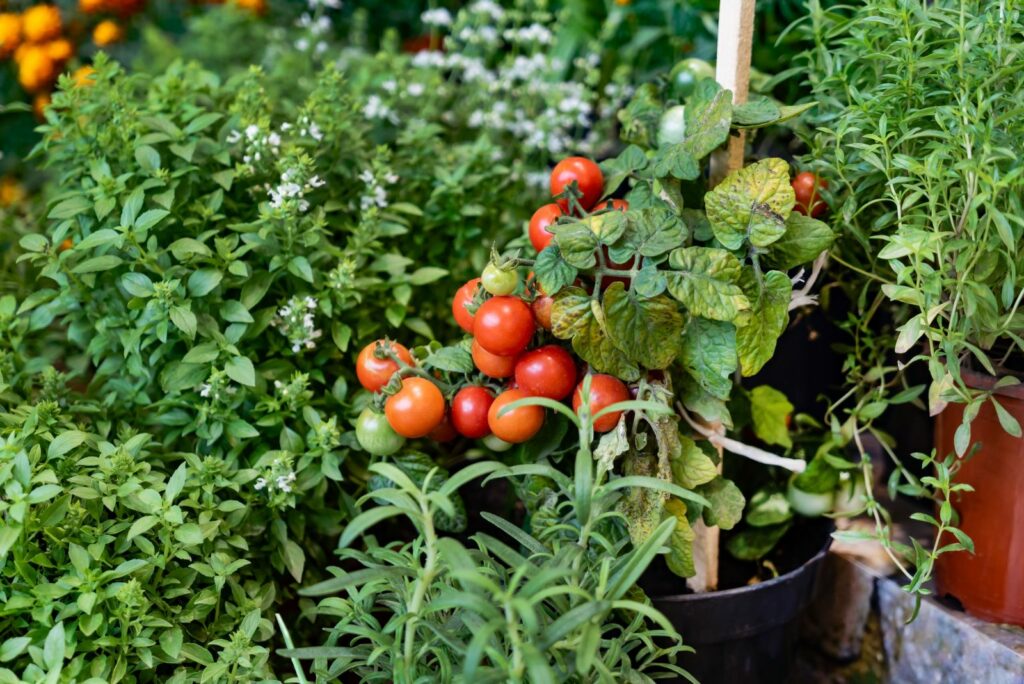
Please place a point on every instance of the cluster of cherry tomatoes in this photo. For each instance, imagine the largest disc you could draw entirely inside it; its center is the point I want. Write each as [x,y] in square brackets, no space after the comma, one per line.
[508,320]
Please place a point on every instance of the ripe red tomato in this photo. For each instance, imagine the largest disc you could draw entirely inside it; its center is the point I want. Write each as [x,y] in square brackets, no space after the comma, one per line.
[542,311]
[587,175]
[547,371]
[469,411]
[542,218]
[808,197]
[518,425]
[416,409]
[374,373]
[492,365]
[605,390]
[445,431]
[463,296]
[504,325]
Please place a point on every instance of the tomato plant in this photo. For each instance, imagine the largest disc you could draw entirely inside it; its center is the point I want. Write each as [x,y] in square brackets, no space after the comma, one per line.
[469,411]
[372,370]
[460,303]
[605,390]
[499,280]
[587,176]
[807,187]
[375,435]
[685,76]
[492,365]
[517,425]
[504,325]
[547,371]
[539,234]
[416,409]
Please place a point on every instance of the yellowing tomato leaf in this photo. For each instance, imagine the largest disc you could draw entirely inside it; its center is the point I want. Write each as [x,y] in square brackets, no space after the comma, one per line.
[756,339]
[646,330]
[751,205]
[705,280]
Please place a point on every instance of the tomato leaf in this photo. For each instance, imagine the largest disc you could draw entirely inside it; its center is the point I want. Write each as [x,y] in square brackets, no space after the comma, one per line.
[575,316]
[756,339]
[691,467]
[768,508]
[708,351]
[551,271]
[751,204]
[708,118]
[805,238]
[705,280]
[576,242]
[652,232]
[641,506]
[646,330]
[640,117]
[727,502]
[680,544]
[769,409]
[752,544]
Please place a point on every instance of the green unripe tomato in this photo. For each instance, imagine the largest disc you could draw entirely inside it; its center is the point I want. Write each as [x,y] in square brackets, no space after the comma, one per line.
[499,281]
[375,435]
[672,128]
[496,443]
[850,502]
[808,503]
[686,74]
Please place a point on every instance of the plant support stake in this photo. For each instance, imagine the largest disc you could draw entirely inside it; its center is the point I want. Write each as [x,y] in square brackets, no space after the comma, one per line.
[735,40]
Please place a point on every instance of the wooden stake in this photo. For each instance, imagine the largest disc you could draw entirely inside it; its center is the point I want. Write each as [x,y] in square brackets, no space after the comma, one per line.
[735,41]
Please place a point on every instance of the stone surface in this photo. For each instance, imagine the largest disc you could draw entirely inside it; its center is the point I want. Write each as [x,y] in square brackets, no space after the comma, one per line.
[855,632]
[943,645]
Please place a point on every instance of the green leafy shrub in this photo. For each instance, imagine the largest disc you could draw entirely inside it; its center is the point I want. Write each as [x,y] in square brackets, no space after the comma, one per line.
[224,256]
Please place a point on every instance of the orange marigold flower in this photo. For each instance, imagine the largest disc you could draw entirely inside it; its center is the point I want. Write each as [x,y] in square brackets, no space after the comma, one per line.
[36,70]
[107,32]
[41,23]
[10,33]
[59,50]
[92,6]
[11,191]
[255,6]
[84,75]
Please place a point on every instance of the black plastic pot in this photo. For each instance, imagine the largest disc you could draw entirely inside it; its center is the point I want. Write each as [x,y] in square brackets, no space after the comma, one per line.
[748,635]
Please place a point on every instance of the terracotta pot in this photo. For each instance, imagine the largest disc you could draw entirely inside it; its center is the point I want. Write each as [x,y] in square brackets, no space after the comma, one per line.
[989,583]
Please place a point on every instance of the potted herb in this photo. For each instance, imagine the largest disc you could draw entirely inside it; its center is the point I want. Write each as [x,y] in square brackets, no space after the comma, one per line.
[920,142]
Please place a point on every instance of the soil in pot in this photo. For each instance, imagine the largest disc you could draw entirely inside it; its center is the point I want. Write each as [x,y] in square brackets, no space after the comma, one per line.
[745,633]
[990,582]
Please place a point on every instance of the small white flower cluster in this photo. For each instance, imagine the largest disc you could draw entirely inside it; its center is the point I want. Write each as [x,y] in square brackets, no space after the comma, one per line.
[295,391]
[276,478]
[375,195]
[487,8]
[376,109]
[436,17]
[217,387]
[316,27]
[296,320]
[259,146]
[534,33]
[343,275]
[291,188]
[479,35]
